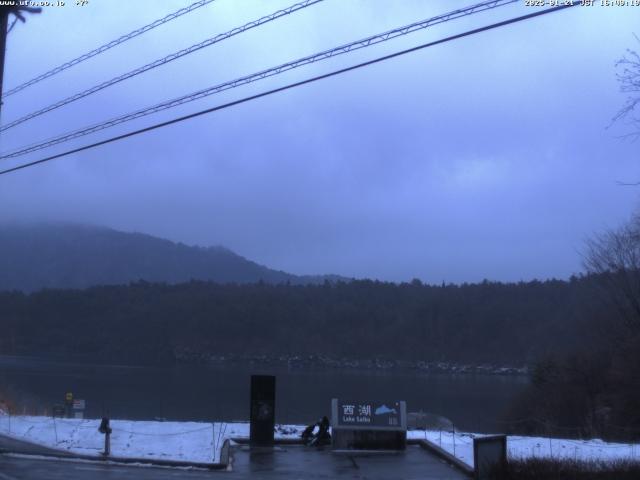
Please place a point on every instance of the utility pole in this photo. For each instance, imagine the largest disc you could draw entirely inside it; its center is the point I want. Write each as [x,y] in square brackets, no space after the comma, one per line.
[5,11]
[4,21]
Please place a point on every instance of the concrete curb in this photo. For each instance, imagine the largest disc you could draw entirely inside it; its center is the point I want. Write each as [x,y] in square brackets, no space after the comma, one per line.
[9,444]
[121,460]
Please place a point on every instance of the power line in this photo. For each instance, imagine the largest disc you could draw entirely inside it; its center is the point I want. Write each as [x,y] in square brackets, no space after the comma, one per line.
[162,61]
[107,46]
[342,49]
[291,86]
[17,10]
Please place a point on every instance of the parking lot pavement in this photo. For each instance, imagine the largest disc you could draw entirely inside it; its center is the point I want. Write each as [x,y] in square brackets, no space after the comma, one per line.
[14,467]
[307,463]
[293,463]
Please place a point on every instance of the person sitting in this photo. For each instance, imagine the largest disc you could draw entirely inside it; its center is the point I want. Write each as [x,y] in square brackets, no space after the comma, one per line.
[321,437]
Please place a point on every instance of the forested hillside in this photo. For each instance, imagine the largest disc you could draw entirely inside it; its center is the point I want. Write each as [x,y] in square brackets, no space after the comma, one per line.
[79,256]
[510,324]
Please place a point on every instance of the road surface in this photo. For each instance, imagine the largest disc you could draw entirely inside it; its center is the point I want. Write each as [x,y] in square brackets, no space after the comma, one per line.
[282,463]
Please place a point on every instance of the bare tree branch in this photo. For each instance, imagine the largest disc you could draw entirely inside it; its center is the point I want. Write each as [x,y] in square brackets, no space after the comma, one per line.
[614,258]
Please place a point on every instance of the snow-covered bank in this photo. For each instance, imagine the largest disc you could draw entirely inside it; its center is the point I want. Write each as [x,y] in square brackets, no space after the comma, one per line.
[461,446]
[181,441]
[201,442]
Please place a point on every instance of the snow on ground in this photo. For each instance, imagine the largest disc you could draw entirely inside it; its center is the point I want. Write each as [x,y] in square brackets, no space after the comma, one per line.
[201,442]
[461,446]
[183,441]
[595,449]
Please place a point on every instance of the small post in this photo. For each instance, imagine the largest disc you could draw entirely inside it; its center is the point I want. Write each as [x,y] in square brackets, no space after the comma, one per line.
[454,440]
[106,430]
[213,441]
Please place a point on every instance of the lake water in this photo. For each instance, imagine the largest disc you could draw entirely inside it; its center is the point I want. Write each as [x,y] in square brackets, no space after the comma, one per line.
[217,393]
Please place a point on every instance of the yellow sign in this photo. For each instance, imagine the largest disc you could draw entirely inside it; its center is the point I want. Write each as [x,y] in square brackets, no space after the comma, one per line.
[69,397]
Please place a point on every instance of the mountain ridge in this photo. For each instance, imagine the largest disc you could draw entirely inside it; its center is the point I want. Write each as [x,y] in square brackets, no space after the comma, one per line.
[65,255]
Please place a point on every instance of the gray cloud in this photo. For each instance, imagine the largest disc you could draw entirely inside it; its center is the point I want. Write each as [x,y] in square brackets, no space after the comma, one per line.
[485,157]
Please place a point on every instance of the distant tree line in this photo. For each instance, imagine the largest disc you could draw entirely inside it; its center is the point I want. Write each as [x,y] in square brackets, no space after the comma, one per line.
[499,323]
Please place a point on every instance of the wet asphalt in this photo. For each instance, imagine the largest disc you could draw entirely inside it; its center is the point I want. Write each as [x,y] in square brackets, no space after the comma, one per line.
[290,462]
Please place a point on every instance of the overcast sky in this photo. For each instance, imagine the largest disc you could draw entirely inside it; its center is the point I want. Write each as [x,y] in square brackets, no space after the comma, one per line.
[486,157]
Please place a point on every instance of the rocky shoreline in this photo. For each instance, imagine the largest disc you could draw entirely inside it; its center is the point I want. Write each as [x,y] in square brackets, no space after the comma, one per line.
[324,361]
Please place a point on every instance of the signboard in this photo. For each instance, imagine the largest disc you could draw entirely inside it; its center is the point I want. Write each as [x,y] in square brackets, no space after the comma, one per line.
[369,414]
[78,404]
[68,397]
[368,425]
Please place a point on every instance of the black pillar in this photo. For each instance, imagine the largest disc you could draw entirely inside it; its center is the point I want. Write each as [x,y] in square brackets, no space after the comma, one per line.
[263,410]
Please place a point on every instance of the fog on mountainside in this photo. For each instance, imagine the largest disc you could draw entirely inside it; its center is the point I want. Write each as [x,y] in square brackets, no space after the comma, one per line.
[78,256]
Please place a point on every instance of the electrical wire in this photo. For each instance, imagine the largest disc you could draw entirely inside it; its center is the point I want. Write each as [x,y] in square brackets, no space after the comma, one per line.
[162,61]
[290,86]
[107,46]
[342,49]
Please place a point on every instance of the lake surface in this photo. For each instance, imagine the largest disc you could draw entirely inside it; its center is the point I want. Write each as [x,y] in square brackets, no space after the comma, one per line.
[221,393]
